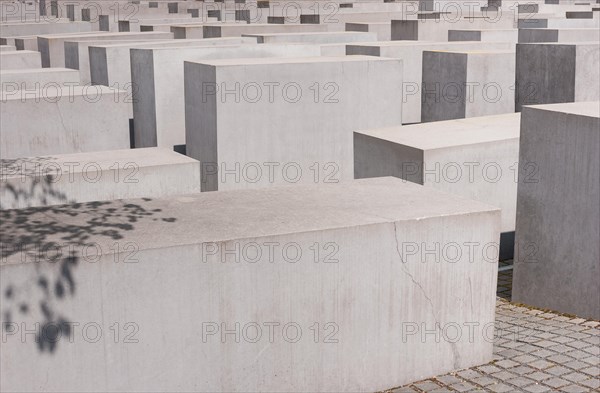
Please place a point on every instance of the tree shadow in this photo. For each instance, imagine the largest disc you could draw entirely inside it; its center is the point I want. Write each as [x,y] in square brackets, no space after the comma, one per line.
[29,182]
[40,236]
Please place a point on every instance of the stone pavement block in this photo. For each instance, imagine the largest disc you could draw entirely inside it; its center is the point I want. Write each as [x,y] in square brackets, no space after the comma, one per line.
[570,131]
[172,237]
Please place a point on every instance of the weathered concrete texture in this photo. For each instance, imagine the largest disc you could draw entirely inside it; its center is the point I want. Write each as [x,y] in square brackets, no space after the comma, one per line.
[382,29]
[475,158]
[558,35]
[31,78]
[96,176]
[549,73]
[363,290]
[238,29]
[157,74]
[314,38]
[52,47]
[296,114]
[557,259]
[467,84]
[486,35]
[411,54]
[12,60]
[110,64]
[57,120]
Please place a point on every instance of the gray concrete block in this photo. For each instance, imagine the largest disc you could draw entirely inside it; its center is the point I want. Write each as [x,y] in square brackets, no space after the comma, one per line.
[475,158]
[96,176]
[548,73]
[557,260]
[365,290]
[31,78]
[60,120]
[20,59]
[264,122]
[467,84]
[158,81]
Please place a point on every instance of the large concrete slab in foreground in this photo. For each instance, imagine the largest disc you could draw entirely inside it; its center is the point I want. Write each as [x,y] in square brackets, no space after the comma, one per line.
[194,314]
[96,176]
[262,122]
[557,259]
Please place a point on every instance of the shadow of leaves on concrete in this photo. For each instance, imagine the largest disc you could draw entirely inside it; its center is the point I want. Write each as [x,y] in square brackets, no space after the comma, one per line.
[53,241]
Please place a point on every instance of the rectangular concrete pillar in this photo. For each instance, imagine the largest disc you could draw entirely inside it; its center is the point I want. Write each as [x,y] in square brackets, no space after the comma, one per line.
[262,122]
[557,259]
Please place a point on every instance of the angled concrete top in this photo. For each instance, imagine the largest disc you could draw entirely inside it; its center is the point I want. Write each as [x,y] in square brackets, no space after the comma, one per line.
[290,60]
[229,215]
[101,160]
[579,43]
[589,109]
[25,71]
[450,133]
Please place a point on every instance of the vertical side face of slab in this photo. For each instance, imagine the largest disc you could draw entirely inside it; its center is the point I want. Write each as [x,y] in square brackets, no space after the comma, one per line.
[587,73]
[545,74]
[557,261]
[201,121]
[144,103]
[375,157]
[405,30]
[44,48]
[463,35]
[443,86]
[72,55]
[98,66]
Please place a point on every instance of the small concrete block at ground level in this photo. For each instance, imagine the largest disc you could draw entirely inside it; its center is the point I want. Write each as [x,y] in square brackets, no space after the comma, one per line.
[42,78]
[12,60]
[157,74]
[411,54]
[347,287]
[557,261]
[63,120]
[572,68]
[96,176]
[297,115]
[467,84]
[475,158]
[7,48]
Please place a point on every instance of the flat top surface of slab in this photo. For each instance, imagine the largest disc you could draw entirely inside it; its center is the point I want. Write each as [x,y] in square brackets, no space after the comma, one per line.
[309,33]
[60,91]
[475,52]
[590,109]
[104,160]
[38,71]
[291,60]
[588,43]
[241,214]
[442,134]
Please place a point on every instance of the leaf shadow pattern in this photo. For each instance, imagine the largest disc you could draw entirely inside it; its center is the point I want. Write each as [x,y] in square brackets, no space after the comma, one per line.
[54,238]
[29,182]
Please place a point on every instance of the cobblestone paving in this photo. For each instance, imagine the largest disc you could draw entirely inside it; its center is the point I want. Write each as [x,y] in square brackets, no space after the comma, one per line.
[534,351]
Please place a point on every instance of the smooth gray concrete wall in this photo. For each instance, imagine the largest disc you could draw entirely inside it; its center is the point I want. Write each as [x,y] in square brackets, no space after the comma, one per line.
[557,259]
[168,283]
